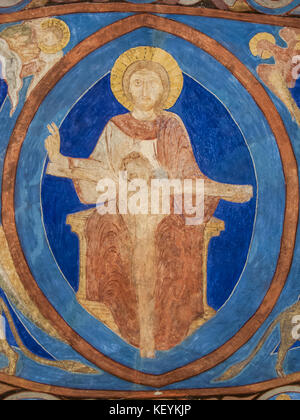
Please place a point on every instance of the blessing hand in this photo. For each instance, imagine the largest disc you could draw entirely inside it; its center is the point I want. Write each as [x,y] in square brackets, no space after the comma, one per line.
[52,145]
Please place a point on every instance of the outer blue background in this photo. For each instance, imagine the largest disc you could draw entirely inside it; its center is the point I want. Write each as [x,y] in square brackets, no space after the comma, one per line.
[266,241]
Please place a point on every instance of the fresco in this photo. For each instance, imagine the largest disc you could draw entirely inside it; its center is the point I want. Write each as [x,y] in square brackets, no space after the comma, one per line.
[150,200]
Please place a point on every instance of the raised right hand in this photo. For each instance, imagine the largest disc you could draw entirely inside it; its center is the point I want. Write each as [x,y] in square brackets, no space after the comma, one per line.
[52,144]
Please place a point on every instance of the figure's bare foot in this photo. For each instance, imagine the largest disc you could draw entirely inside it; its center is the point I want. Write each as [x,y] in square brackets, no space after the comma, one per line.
[147,353]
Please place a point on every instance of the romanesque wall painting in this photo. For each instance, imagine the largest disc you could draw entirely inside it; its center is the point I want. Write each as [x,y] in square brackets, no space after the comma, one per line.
[149,199]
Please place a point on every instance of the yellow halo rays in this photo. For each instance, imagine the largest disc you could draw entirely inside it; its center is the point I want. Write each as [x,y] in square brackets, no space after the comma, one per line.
[262,36]
[63,31]
[152,54]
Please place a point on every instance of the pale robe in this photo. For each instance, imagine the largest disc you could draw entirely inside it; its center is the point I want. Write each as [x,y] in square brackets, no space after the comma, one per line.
[174,293]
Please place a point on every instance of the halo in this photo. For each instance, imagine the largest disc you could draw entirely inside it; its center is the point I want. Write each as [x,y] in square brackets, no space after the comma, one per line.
[260,37]
[63,28]
[156,55]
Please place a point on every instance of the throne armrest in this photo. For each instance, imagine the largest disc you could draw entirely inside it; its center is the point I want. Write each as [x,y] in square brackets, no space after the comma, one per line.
[214,227]
[78,221]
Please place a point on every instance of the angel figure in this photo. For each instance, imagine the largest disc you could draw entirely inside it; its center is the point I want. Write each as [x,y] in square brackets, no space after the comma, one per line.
[30,49]
[280,76]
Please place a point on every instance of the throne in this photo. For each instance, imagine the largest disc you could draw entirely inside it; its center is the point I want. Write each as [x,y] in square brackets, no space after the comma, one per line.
[78,222]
